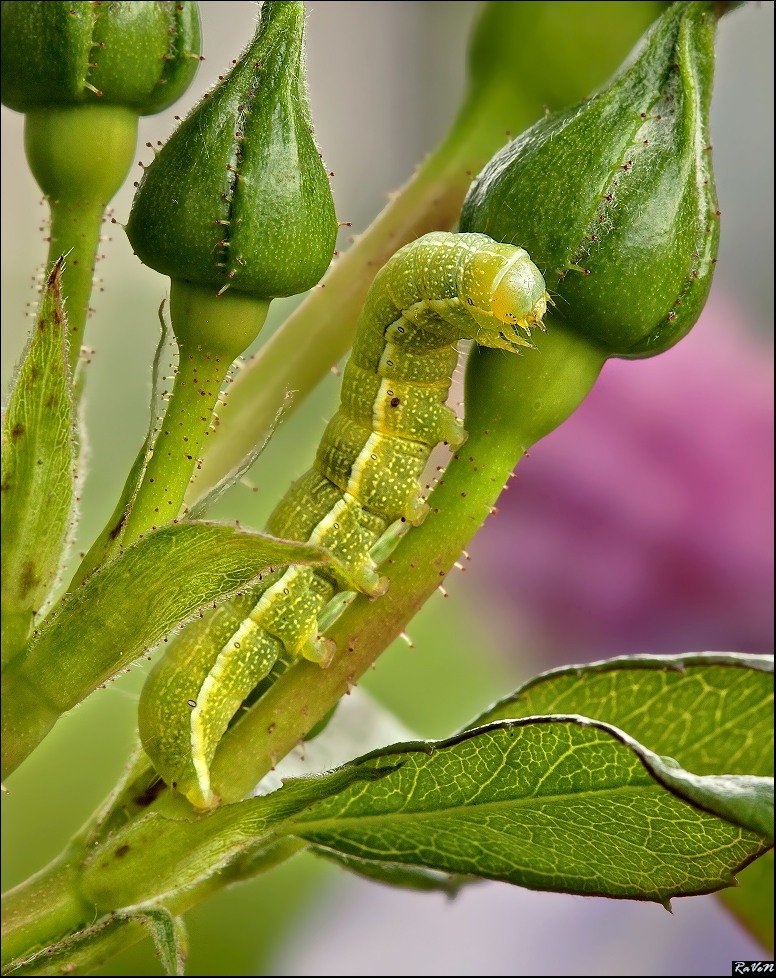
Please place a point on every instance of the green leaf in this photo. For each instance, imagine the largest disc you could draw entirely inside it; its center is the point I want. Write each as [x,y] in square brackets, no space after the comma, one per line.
[711,712]
[550,803]
[61,957]
[168,934]
[125,609]
[38,471]
[553,803]
[75,951]
[392,874]
[742,799]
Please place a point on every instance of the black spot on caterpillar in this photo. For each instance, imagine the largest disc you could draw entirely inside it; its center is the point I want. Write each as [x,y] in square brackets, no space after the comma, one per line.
[361,493]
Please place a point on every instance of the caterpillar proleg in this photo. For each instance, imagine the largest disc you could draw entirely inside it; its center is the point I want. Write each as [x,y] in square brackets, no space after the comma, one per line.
[361,493]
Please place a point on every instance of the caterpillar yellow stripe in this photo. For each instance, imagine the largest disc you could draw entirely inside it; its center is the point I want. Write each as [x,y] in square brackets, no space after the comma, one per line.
[360,494]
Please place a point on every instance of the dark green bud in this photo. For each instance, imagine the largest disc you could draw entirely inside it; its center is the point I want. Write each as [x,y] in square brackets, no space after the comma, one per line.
[239,197]
[140,55]
[614,199]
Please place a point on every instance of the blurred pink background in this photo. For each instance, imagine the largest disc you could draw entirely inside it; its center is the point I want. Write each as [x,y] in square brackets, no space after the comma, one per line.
[645,522]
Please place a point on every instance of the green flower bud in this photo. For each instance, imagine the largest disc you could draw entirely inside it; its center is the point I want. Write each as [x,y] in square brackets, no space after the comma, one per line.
[614,199]
[237,200]
[239,197]
[138,55]
[83,73]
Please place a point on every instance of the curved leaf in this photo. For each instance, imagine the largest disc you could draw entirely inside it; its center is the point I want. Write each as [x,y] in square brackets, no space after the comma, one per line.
[123,610]
[168,934]
[550,803]
[38,479]
[556,803]
[391,874]
[712,712]
[69,955]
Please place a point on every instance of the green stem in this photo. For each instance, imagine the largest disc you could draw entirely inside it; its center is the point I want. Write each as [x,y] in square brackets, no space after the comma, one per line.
[512,403]
[43,909]
[48,908]
[75,233]
[184,428]
[212,330]
[80,157]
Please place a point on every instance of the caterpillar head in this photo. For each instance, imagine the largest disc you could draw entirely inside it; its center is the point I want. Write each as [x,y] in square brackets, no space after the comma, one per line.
[508,296]
[518,296]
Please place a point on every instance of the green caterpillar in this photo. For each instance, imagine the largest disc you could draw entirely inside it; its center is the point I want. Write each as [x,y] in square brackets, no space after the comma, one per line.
[361,493]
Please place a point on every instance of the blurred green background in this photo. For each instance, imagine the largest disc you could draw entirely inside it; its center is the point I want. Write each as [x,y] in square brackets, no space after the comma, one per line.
[385,79]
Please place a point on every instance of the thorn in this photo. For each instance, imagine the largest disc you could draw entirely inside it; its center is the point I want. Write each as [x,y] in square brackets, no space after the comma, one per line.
[442,591]
[407,639]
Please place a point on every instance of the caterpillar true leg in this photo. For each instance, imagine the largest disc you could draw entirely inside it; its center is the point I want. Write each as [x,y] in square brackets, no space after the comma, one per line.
[363,486]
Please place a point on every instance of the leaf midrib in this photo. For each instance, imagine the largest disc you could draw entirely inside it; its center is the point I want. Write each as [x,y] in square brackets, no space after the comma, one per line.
[652,785]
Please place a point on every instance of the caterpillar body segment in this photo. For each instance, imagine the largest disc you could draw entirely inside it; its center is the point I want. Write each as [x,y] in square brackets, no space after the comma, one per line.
[361,494]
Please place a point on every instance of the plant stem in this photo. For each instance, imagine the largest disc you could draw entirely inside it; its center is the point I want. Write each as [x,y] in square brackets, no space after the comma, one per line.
[513,401]
[47,908]
[80,156]
[212,331]
[183,431]
[75,233]
[227,324]
[43,909]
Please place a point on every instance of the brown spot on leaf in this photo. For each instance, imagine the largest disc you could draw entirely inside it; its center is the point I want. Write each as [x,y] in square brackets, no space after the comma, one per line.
[28,579]
[117,528]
